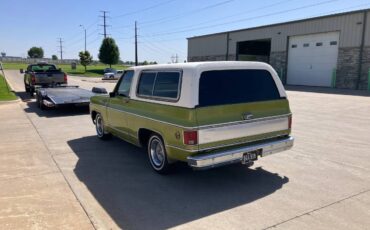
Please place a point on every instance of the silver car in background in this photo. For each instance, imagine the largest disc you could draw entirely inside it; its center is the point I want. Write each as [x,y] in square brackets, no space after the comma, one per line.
[113,74]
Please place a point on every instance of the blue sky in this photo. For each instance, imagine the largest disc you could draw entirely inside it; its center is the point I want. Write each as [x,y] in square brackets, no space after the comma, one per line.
[163,25]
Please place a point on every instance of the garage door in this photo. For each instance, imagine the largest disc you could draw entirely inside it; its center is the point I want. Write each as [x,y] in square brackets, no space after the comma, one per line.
[312,58]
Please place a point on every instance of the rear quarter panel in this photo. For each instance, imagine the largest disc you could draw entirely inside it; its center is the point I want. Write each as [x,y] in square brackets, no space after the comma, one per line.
[167,121]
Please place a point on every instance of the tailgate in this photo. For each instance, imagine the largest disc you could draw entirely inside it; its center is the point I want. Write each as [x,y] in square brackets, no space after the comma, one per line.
[238,106]
[242,123]
[49,77]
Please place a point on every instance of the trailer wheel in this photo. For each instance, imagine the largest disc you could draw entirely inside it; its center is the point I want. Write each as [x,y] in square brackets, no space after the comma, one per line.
[32,91]
[40,103]
[26,88]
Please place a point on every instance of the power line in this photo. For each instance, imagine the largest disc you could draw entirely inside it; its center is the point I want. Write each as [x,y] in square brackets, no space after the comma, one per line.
[171,18]
[240,13]
[240,20]
[170,49]
[155,50]
[92,33]
[340,10]
[170,39]
[125,38]
[151,50]
[92,24]
[158,49]
[91,42]
[145,9]
[72,39]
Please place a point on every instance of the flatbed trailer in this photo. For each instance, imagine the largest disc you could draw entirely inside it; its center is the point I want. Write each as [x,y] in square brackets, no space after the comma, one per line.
[65,95]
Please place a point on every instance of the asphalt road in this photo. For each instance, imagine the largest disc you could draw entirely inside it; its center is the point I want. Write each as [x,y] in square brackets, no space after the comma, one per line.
[322,183]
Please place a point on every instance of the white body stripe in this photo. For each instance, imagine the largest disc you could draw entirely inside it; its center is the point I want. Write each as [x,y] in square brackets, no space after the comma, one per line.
[241,130]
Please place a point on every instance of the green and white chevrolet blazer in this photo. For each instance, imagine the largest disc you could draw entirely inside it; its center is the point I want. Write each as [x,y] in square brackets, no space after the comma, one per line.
[206,114]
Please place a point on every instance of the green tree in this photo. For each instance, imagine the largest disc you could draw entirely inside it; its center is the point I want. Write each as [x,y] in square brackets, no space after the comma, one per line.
[145,63]
[54,57]
[36,52]
[109,52]
[85,58]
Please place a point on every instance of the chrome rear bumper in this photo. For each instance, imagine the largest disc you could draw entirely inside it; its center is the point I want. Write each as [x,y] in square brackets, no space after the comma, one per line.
[235,155]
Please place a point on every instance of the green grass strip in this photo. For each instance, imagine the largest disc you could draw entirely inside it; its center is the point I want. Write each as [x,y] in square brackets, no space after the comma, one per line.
[5,93]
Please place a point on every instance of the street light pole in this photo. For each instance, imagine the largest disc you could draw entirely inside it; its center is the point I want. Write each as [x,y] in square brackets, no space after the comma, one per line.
[85,35]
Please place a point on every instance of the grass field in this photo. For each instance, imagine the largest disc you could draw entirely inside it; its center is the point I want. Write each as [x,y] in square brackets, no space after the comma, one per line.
[92,70]
[4,94]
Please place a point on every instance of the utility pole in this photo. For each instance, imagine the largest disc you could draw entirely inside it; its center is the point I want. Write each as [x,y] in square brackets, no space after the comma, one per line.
[104,16]
[136,58]
[175,58]
[61,48]
[83,27]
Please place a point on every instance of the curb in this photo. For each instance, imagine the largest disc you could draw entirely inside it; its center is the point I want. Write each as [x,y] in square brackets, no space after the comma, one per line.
[9,84]
[12,89]
[10,102]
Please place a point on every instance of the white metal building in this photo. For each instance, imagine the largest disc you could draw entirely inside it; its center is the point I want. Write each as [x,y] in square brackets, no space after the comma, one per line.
[329,51]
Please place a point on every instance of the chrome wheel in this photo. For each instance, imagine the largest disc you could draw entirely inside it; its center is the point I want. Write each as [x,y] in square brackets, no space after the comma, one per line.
[157,152]
[100,130]
[99,126]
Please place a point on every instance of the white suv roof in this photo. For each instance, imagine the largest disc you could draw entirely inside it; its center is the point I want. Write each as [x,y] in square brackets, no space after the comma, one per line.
[194,70]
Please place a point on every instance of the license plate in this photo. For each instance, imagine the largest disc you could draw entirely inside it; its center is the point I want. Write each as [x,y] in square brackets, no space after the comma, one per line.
[250,156]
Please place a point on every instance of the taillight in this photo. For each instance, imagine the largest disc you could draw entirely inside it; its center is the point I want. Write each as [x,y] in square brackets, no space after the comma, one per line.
[290,122]
[33,79]
[190,137]
[65,78]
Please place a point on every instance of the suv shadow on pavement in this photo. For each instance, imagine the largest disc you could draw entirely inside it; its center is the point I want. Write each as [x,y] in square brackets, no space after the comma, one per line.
[120,178]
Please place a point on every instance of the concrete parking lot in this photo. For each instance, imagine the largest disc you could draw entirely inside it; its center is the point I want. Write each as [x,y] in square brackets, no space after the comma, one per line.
[55,173]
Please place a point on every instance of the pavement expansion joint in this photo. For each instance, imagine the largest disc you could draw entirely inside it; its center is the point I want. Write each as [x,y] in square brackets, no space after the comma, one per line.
[30,175]
[333,161]
[320,208]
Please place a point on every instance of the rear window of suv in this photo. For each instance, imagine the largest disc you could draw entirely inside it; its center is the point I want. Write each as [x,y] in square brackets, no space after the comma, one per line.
[236,86]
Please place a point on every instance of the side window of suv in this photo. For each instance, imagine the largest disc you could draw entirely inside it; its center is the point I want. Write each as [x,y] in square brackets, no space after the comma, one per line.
[160,85]
[146,83]
[125,84]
